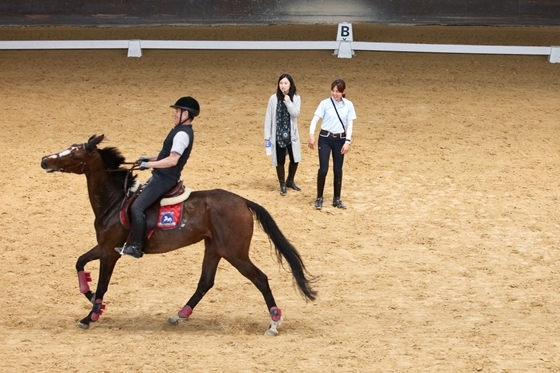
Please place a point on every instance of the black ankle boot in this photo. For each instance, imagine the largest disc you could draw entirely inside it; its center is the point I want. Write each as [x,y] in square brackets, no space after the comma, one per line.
[134,250]
[282,189]
[319,203]
[292,168]
[338,204]
[320,184]
[291,184]
[281,175]
[337,189]
[135,242]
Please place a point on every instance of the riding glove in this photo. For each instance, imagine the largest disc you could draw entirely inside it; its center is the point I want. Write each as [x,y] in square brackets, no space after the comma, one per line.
[143,158]
[143,166]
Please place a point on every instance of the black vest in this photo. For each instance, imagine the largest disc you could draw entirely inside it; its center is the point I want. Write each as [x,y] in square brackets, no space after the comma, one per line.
[175,171]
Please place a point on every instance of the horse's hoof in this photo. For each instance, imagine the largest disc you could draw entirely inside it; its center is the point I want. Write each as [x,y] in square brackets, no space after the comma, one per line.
[271,333]
[83,326]
[174,320]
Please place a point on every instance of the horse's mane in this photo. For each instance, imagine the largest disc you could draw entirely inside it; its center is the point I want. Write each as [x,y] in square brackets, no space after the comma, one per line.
[113,159]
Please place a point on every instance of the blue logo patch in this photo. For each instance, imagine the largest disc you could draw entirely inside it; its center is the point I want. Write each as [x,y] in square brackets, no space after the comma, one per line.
[167,219]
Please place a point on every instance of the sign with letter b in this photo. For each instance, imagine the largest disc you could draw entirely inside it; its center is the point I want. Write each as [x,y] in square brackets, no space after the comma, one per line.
[344,32]
[344,37]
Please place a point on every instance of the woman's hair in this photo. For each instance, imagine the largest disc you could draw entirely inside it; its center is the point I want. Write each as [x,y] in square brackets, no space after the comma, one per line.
[340,85]
[292,90]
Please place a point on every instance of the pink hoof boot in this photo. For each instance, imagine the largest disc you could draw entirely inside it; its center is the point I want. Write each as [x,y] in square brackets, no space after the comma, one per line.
[185,312]
[181,315]
[97,311]
[84,278]
[275,321]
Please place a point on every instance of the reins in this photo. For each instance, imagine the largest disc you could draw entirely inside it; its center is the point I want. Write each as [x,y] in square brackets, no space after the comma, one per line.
[135,166]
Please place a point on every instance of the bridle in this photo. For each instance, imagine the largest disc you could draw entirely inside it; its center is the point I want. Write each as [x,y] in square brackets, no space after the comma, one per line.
[82,163]
[134,166]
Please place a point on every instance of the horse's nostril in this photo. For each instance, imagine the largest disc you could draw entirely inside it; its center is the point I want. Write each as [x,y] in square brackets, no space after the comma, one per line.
[43,163]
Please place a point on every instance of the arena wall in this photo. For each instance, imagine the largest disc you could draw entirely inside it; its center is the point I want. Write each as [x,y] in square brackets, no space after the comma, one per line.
[258,12]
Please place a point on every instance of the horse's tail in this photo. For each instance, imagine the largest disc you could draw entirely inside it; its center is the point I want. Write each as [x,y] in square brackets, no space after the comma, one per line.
[284,249]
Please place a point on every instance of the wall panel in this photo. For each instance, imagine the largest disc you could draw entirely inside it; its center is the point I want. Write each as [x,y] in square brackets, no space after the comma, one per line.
[185,12]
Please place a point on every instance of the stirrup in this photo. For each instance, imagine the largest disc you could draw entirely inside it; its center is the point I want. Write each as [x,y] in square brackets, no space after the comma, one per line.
[133,250]
[319,203]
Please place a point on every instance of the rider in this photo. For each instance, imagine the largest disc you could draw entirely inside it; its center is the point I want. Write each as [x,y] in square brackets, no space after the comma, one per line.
[167,167]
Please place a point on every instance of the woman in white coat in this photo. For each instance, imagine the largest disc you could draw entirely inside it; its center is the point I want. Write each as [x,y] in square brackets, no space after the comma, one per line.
[280,128]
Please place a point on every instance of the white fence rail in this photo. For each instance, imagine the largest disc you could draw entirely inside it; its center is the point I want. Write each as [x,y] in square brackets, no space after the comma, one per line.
[345,49]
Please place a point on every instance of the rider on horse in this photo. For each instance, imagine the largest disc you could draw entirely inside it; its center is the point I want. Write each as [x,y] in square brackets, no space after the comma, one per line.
[167,167]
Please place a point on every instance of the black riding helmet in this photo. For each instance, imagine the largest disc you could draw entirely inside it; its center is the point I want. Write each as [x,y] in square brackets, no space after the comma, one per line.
[189,104]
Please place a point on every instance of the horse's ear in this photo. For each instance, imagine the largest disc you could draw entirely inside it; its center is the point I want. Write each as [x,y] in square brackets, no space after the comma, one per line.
[94,141]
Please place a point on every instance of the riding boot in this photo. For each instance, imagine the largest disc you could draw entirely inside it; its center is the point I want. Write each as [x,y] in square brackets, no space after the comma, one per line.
[292,168]
[135,243]
[320,188]
[337,189]
[281,175]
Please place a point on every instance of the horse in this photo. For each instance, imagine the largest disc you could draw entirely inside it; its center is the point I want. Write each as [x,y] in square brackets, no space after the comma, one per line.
[224,220]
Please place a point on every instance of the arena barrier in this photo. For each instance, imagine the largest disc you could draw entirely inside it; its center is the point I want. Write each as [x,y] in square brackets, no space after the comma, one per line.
[344,46]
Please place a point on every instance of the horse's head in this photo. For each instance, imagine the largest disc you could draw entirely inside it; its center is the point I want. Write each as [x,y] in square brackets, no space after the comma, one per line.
[75,159]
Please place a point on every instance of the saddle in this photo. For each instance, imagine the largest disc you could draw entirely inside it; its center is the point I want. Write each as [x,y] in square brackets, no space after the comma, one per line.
[165,213]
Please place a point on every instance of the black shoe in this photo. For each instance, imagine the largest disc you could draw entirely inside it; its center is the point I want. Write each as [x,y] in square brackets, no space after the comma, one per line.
[134,250]
[291,184]
[338,204]
[282,189]
[319,203]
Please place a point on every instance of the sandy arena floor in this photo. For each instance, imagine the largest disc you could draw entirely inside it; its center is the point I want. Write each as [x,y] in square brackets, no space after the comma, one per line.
[445,261]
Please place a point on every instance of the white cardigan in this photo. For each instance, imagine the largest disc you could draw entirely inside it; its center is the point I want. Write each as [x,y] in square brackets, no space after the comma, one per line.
[270,126]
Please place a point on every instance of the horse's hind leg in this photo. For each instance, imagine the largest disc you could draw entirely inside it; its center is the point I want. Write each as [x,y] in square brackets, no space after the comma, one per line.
[205,283]
[260,280]
[84,277]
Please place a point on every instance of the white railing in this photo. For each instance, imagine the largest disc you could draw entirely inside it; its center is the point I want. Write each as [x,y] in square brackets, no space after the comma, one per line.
[344,49]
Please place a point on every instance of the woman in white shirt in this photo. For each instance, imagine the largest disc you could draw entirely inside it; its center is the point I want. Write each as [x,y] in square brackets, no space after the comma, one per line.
[337,115]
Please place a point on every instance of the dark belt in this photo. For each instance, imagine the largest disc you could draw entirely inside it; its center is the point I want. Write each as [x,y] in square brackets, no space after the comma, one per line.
[325,133]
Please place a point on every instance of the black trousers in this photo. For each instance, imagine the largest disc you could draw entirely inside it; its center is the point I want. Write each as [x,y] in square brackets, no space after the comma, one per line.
[155,187]
[328,146]
[281,155]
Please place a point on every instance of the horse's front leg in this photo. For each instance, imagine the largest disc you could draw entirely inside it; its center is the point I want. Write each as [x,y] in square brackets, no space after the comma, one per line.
[83,276]
[107,262]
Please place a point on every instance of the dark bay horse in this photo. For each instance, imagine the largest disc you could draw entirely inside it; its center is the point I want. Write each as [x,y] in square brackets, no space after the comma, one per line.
[222,219]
